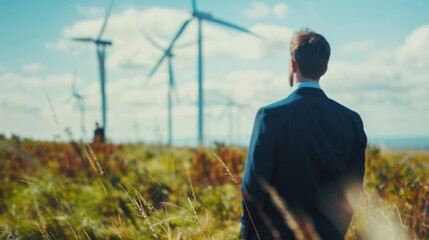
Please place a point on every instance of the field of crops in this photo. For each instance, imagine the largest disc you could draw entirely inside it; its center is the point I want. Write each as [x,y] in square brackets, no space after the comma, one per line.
[103,191]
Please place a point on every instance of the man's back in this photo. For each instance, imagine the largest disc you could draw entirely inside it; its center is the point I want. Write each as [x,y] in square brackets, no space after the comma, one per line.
[305,146]
[308,147]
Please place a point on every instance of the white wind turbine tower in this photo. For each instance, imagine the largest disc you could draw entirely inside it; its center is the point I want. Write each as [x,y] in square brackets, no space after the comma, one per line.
[172,85]
[101,55]
[201,17]
[81,106]
[232,107]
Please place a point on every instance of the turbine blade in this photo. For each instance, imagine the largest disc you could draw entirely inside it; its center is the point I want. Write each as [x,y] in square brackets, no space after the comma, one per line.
[151,41]
[223,113]
[194,5]
[182,28]
[106,19]
[184,45]
[83,39]
[170,71]
[230,25]
[77,96]
[74,89]
[67,100]
[155,68]
[173,87]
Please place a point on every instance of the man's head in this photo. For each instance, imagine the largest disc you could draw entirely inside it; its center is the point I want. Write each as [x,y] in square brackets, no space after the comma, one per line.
[309,55]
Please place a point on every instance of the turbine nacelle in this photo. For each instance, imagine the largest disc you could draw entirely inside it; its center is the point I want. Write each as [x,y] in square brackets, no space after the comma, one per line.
[202,15]
[103,42]
[96,41]
[169,53]
[77,96]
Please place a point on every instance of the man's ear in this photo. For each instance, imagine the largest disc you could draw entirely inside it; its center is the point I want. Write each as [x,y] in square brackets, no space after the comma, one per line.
[294,65]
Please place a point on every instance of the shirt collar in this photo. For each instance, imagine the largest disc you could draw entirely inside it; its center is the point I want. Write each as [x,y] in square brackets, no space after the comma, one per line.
[306,85]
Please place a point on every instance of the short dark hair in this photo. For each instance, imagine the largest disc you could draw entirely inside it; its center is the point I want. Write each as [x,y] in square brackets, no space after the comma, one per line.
[311,52]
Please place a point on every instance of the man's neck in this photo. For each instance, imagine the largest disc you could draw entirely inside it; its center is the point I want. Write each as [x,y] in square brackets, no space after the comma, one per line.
[305,84]
[296,81]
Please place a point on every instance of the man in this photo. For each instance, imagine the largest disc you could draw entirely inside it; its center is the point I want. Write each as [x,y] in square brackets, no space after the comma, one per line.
[307,147]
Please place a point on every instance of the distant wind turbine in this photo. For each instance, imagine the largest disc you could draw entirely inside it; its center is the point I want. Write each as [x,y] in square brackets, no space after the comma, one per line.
[172,86]
[201,16]
[80,101]
[231,106]
[101,55]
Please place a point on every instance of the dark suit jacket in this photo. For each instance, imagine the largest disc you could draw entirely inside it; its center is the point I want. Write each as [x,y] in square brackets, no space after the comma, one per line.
[307,147]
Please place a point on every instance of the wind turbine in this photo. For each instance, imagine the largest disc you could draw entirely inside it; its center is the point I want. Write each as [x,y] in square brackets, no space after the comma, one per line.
[172,86]
[100,45]
[231,106]
[201,16]
[80,101]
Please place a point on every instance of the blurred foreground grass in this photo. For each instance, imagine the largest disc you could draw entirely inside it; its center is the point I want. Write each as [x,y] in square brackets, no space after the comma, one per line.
[103,191]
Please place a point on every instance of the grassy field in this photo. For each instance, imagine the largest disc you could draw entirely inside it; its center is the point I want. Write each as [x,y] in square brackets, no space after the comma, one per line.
[103,191]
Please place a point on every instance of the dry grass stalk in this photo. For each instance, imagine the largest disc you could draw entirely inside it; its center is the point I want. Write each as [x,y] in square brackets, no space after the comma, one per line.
[42,225]
[377,222]
[43,231]
[168,219]
[175,205]
[207,223]
[251,218]
[139,207]
[233,179]
[146,217]
[302,228]
[269,224]
[197,218]
[168,223]
[86,234]
[147,204]
[73,231]
[118,232]
[93,160]
[179,236]
[194,197]
[53,113]
[227,170]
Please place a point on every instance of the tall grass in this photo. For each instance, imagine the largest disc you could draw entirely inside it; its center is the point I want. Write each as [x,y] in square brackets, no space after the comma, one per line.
[104,191]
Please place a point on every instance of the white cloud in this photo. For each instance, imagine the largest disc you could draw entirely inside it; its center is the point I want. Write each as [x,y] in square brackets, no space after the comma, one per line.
[355,47]
[32,67]
[23,105]
[3,68]
[280,10]
[415,48]
[131,50]
[90,11]
[16,82]
[262,87]
[385,88]
[60,46]
[258,10]
[60,80]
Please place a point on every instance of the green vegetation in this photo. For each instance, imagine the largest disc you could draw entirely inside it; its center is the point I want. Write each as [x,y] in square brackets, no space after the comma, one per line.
[103,191]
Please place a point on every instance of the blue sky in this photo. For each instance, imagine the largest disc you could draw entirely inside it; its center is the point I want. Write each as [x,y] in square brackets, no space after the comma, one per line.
[379,64]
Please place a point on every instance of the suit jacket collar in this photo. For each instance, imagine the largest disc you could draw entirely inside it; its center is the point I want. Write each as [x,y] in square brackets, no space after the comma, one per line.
[309,91]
